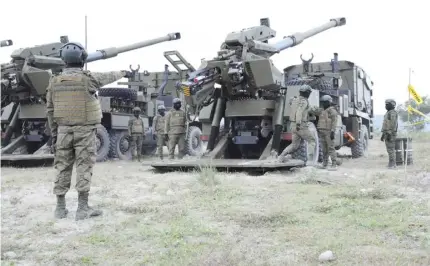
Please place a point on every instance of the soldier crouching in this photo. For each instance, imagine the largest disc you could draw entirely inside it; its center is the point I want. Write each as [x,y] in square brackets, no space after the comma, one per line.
[136,133]
[158,125]
[175,129]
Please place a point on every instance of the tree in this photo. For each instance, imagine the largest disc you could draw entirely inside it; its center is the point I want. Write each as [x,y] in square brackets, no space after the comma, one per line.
[414,118]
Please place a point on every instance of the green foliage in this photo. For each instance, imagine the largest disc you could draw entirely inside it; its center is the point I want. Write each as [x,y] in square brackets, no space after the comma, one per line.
[414,117]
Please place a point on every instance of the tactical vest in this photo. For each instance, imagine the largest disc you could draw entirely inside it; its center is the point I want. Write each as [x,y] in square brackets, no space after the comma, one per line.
[74,105]
[324,121]
[387,125]
[177,122]
[137,126]
[294,104]
[159,126]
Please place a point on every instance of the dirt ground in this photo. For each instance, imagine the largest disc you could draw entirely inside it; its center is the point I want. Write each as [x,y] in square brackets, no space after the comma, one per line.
[364,213]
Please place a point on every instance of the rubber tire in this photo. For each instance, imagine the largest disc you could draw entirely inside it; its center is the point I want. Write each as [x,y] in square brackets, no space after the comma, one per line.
[115,152]
[193,132]
[123,93]
[360,146]
[302,152]
[103,135]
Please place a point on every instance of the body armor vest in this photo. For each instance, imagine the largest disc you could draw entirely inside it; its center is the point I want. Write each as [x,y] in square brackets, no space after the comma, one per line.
[294,104]
[388,124]
[177,122]
[137,126]
[74,105]
[159,126]
[325,121]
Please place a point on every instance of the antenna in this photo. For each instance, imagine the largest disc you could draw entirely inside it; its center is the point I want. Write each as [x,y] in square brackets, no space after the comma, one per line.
[86,38]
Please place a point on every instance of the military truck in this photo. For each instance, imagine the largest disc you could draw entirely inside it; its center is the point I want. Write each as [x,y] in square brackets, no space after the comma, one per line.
[242,85]
[25,132]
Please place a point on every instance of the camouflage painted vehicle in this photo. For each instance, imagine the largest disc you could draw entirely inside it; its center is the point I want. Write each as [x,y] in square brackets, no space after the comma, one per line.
[242,85]
[25,132]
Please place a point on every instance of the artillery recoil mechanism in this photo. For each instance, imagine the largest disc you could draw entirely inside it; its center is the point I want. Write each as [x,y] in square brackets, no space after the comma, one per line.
[23,87]
[242,85]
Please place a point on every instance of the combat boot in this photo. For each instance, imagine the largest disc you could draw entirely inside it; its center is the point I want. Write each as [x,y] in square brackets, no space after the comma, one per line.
[333,166]
[60,210]
[139,157]
[392,165]
[84,211]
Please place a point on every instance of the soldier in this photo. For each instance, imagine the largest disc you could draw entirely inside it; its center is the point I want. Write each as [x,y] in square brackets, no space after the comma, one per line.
[389,131]
[73,111]
[158,125]
[299,119]
[175,129]
[136,133]
[326,130]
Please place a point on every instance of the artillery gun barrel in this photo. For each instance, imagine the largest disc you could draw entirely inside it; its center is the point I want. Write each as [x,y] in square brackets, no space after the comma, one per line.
[5,43]
[114,51]
[299,37]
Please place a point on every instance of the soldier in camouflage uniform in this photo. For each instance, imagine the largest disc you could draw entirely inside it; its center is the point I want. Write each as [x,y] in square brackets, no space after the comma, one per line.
[299,122]
[136,133]
[73,111]
[158,126]
[175,129]
[389,131]
[326,130]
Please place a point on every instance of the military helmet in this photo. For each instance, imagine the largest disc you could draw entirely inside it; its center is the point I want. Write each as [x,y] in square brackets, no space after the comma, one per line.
[390,101]
[305,88]
[327,98]
[136,109]
[73,53]
[161,107]
[176,100]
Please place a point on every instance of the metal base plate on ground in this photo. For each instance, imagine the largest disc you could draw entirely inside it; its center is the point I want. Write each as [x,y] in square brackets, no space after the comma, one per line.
[247,165]
[27,160]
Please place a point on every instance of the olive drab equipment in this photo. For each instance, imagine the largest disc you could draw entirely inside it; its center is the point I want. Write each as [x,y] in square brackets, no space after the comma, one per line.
[74,105]
[137,126]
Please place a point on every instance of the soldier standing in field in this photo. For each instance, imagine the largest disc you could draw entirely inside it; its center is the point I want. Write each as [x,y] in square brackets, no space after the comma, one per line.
[389,131]
[158,126]
[73,111]
[326,130]
[136,133]
[299,122]
[175,129]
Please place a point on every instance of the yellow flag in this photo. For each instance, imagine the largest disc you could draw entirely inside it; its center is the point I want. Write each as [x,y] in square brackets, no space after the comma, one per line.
[413,110]
[415,95]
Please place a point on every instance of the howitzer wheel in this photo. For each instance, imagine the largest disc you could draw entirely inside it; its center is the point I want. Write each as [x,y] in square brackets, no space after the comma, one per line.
[193,143]
[120,145]
[102,143]
[360,145]
[123,93]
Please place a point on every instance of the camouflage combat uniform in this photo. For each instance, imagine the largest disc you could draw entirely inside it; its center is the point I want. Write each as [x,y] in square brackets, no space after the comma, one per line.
[73,111]
[326,125]
[389,128]
[175,127]
[299,110]
[135,131]
[158,125]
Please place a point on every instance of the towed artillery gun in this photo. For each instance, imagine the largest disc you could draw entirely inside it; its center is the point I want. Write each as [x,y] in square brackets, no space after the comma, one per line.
[24,82]
[5,43]
[243,86]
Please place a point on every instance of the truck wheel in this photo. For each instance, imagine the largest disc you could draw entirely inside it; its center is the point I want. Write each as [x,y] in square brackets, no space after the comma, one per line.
[123,93]
[193,143]
[308,153]
[102,143]
[360,146]
[120,145]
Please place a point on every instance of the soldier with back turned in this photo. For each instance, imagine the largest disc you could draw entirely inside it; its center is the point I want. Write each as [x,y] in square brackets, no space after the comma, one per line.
[389,131]
[73,111]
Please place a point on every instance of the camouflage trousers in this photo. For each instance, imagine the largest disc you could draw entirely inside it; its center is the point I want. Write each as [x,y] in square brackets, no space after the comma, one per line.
[160,144]
[75,144]
[177,139]
[327,146]
[136,144]
[391,148]
[303,133]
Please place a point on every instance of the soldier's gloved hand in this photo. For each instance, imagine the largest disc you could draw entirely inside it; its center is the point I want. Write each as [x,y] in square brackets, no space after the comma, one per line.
[332,135]
[383,137]
[298,126]
[388,137]
[53,144]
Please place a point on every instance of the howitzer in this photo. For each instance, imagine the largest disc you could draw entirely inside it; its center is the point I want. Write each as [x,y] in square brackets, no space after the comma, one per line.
[242,86]
[24,83]
[5,43]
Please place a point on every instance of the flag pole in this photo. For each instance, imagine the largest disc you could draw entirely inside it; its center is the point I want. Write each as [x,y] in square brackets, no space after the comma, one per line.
[405,160]
[86,37]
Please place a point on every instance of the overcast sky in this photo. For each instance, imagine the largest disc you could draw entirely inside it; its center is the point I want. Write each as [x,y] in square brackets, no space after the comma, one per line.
[383,38]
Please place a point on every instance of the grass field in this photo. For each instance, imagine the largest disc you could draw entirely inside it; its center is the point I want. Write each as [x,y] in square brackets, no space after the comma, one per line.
[364,213]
